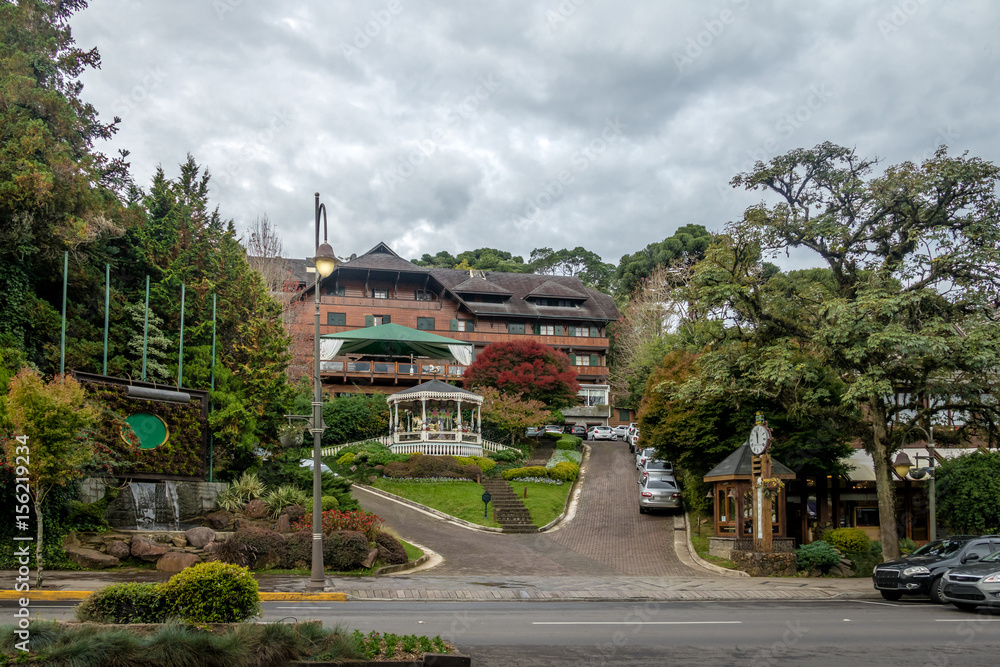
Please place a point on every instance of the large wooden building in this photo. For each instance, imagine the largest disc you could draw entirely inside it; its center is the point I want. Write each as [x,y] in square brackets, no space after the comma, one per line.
[481,307]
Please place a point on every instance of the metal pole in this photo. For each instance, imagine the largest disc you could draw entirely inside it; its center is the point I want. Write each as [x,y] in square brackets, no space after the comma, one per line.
[107,305]
[932,502]
[62,341]
[317,580]
[180,351]
[145,332]
[211,404]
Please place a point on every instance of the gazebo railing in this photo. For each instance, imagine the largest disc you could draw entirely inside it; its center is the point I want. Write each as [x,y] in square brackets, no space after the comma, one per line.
[424,446]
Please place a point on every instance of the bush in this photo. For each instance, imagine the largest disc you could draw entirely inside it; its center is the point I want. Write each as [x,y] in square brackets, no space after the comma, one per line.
[569,442]
[849,540]
[346,460]
[567,471]
[298,550]
[283,496]
[906,546]
[344,550]
[471,471]
[818,555]
[212,593]
[485,464]
[359,520]
[257,548]
[124,603]
[390,550]
[507,455]
[864,564]
[530,471]
[329,503]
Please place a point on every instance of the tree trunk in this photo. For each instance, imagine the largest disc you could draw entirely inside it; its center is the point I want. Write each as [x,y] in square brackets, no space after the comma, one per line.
[884,488]
[38,543]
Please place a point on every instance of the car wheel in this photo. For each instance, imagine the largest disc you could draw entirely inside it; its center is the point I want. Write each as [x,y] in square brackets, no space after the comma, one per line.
[892,596]
[935,592]
[642,510]
[965,606]
[615,438]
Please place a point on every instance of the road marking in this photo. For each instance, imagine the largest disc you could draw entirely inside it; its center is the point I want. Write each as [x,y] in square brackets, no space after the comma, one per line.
[307,608]
[882,604]
[637,622]
[977,619]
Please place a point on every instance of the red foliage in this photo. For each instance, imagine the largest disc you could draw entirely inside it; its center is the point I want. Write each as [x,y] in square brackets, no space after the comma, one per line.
[359,520]
[527,368]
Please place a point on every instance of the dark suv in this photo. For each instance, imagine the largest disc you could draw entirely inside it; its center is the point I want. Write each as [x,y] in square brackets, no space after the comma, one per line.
[920,573]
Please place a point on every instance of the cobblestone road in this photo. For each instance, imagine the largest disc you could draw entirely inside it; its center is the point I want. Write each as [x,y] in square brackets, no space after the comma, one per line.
[607,537]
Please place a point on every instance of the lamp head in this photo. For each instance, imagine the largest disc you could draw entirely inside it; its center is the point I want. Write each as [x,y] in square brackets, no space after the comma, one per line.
[902,464]
[325,260]
[918,473]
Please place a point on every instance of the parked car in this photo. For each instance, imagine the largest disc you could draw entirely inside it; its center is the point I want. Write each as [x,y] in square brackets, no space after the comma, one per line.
[656,465]
[975,584]
[633,440]
[643,455]
[553,428]
[579,430]
[533,432]
[621,430]
[921,573]
[657,492]
[601,433]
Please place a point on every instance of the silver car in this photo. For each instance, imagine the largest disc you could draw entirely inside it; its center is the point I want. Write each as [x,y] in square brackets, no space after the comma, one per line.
[975,584]
[656,466]
[658,493]
[643,455]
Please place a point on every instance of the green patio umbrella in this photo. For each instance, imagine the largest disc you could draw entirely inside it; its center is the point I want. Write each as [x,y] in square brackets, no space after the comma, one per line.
[395,340]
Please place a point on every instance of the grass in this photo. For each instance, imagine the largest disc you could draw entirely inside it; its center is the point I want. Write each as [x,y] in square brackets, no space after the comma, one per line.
[544,501]
[459,499]
[701,544]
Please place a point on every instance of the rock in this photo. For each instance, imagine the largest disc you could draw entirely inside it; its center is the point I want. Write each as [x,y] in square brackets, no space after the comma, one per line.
[283,525]
[218,520]
[199,537]
[71,540]
[211,547]
[294,512]
[89,558]
[147,549]
[118,549]
[179,541]
[370,558]
[175,561]
[255,509]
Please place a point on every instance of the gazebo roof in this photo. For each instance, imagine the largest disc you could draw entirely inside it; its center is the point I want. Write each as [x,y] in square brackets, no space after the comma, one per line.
[435,390]
[738,466]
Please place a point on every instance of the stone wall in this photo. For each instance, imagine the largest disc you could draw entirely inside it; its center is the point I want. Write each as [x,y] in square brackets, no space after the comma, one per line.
[764,565]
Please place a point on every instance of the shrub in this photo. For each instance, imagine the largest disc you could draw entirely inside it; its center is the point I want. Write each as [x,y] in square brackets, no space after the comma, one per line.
[359,520]
[283,496]
[818,555]
[906,546]
[344,550]
[346,460]
[849,540]
[471,471]
[507,455]
[396,469]
[561,455]
[485,464]
[124,603]
[329,503]
[530,471]
[258,548]
[864,564]
[567,471]
[212,593]
[241,491]
[298,550]
[569,442]
[390,550]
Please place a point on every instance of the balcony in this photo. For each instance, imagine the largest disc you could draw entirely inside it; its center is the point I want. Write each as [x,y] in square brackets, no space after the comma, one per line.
[592,371]
[388,370]
[587,411]
[370,302]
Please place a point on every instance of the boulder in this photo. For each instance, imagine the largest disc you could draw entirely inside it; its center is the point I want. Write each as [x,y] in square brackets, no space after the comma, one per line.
[294,512]
[147,549]
[175,561]
[370,558]
[211,547]
[118,549]
[179,541]
[283,525]
[71,540]
[255,509]
[218,520]
[89,558]
[199,537]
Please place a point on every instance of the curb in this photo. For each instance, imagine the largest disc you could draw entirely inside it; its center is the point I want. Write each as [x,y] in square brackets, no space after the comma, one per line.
[573,499]
[427,510]
[80,595]
[725,572]
[389,569]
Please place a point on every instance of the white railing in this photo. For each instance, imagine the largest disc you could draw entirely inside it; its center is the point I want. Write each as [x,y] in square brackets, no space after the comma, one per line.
[332,451]
[434,448]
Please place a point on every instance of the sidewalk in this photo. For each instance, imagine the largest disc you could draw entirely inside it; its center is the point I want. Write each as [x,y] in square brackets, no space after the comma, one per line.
[60,585]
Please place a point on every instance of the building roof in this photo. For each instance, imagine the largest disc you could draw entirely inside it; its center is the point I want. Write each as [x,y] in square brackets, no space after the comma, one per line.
[553,288]
[381,258]
[738,466]
[435,390]
[479,285]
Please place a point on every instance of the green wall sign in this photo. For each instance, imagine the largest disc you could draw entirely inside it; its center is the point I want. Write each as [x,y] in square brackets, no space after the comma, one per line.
[150,429]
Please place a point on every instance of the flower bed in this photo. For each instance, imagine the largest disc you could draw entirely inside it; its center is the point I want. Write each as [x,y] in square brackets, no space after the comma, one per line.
[359,520]
[561,455]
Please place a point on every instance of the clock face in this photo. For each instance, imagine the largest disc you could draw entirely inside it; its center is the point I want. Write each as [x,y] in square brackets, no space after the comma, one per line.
[759,439]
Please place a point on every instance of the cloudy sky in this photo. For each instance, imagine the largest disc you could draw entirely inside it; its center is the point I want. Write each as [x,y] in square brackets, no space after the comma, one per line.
[452,125]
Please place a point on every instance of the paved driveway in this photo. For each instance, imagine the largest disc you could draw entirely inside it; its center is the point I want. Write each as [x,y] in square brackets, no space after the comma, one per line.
[607,537]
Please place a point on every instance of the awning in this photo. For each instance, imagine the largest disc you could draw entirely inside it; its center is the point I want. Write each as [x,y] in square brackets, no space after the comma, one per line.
[394,340]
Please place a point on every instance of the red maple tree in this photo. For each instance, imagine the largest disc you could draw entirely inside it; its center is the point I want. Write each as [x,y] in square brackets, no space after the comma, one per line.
[527,368]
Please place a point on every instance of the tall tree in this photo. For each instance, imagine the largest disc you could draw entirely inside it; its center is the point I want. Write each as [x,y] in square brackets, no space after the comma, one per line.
[904,312]
[511,414]
[580,262]
[527,369]
[683,248]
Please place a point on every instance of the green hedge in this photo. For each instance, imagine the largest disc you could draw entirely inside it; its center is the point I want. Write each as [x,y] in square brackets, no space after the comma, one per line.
[569,442]
[213,593]
[124,603]
[566,471]
[530,471]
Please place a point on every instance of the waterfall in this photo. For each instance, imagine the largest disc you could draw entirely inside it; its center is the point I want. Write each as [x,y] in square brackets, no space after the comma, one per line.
[156,506]
[170,489]
[144,499]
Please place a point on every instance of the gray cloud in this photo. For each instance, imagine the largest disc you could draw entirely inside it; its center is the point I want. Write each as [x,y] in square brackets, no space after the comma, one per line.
[456,125]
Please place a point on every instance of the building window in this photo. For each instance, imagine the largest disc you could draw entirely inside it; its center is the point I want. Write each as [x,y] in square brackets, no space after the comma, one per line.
[583,360]
[515,328]
[338,291]
[424,295]
[377,320]
[462,325]
[425,323]
[546,330]
[380,293]
[624,415]
[583,331]
[336,319]
[591,396]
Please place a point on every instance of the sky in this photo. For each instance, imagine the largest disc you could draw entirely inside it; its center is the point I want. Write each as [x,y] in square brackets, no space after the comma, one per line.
[454,125]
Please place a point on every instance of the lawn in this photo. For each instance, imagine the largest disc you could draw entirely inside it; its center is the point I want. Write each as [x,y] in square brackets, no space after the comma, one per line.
[544,501]
[459,499]
[701,544]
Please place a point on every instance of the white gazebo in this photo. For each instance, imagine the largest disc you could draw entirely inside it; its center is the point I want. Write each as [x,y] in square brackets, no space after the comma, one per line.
[428,418]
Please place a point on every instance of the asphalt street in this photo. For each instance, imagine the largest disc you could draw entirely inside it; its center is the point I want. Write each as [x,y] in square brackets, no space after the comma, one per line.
[835,632]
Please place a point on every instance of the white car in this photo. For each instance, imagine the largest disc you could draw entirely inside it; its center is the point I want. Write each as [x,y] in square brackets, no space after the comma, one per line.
[601,433]
[621,431]
[643,455]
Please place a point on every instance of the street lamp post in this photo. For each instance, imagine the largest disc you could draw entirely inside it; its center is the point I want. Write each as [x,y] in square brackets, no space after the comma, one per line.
[325,262]
[903,466]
